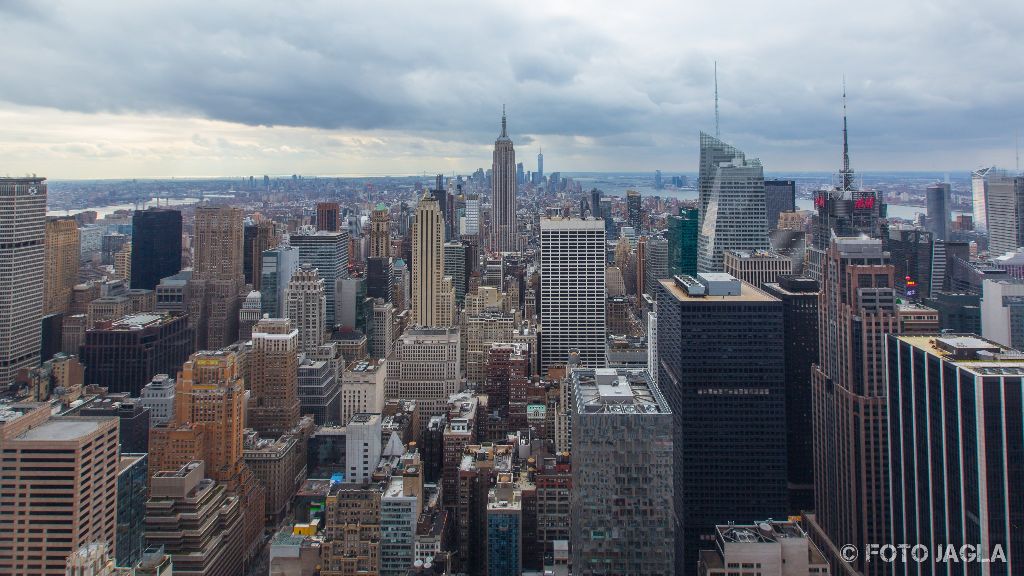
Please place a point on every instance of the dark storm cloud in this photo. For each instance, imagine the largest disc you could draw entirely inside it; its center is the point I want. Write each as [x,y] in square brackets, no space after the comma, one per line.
[943,74]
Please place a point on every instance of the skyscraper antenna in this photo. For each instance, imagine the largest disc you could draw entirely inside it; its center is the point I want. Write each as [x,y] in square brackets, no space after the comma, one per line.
[846,173]
[717,133]
[504,132]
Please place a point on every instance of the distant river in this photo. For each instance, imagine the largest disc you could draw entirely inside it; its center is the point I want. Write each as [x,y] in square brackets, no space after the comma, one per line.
[104,211]
[892,210]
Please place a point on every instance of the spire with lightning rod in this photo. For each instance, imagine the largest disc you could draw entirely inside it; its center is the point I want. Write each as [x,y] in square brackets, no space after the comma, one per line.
[846,173]
[504,132]
[717,134]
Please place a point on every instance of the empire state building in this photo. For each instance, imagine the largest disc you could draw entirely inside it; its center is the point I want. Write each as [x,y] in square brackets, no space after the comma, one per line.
[504,236]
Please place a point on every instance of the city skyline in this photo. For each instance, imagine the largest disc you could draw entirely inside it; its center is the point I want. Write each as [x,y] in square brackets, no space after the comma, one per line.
[243,96]
[275,305]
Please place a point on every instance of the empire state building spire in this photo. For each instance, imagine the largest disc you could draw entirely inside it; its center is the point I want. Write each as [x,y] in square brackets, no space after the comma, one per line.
[504,232]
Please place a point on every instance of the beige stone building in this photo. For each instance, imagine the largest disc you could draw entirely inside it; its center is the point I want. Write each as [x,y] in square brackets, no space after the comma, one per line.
[427,262]
[208,423]
[273,377]
[758,267]
[123,263]
[426,367]
[184,502]
[49,507]
[362,388]
[62,250]
[380,232]
[352,531]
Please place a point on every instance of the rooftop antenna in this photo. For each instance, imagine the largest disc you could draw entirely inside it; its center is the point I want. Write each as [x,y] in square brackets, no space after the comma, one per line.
[717,133]
[846,173]
[504,133]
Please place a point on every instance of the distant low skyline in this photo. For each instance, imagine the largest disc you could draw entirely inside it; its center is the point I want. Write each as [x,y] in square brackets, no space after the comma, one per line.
[199,89]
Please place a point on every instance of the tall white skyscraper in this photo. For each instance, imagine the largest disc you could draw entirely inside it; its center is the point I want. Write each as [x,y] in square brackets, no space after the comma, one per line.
[572,290]
[732,195]
[362,447]
[1002,312]
[1005,197]
[427,261]
[504,236]
[22,237]
[979,193]
[471,222]
[306,306]
[383,340]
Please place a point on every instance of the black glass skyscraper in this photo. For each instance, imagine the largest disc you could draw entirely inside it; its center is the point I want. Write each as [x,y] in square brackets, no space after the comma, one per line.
[799,298]
[378,278]
[156,246]
[937,196]
[779,197]
[633,210]
[721,367]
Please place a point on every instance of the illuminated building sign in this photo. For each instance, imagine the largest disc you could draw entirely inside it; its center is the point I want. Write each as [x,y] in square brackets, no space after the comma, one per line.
[866,203]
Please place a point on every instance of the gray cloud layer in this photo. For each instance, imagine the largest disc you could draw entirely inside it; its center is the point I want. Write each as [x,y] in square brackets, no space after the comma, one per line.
[934,83]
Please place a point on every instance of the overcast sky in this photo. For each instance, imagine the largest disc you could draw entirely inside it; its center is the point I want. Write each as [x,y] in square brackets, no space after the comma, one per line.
[105,88]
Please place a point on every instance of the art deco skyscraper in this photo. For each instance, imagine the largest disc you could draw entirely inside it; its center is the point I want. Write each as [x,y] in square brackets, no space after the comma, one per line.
[427,261]
[732,196]
[273,377]
[572,290]
[306,306]
[22,258]
[380,232]
[209,414]
[857,308]
[504,234]
[218,243]
[156,246]
[217,277]
[842,211]
[62,250]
